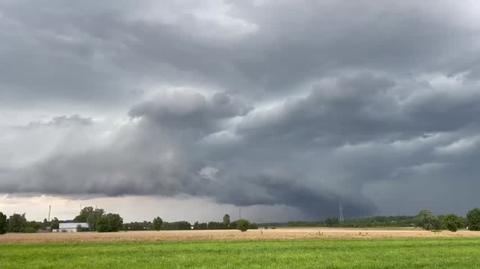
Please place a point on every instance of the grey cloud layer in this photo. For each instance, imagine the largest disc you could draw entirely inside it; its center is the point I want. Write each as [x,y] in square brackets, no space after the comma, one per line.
[101,51]
[304,104]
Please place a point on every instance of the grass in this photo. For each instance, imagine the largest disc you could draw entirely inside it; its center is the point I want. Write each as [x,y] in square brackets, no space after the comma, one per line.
[375,253]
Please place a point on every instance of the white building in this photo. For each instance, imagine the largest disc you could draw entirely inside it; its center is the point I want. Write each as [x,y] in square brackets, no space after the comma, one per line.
[71,227]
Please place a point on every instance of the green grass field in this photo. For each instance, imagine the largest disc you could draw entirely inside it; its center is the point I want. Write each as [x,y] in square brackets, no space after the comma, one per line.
[378,253]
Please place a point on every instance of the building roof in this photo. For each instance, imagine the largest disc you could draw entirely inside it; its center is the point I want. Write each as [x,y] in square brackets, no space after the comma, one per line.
[73,225]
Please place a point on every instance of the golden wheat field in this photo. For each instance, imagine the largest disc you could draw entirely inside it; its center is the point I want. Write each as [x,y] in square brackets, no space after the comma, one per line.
[201,235]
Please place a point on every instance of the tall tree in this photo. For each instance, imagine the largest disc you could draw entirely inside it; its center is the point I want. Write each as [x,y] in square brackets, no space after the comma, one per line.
[157,223]
[93,218]
[427,220]
[84,213]
[17,223]
[473,219]
[90,215]
[3,223]
[109,223]
[55,224]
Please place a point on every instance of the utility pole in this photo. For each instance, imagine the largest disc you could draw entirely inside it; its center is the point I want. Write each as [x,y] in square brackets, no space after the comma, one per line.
[49,212]
[340,213]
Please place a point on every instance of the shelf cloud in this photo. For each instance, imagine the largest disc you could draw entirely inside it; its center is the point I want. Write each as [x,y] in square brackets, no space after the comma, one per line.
[309,104]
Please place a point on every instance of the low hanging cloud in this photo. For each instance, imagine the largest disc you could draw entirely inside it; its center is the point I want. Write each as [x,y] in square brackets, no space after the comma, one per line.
[158,154]
[369,104]
[292,154]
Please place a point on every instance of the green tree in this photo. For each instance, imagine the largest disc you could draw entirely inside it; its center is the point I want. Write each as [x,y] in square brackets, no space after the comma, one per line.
[213,225]
[200,226]
[226,220]
[17,223]
[331,222]
[452,222]
[3,223]
[473,219]
[426,220]
[90,215]
[178,225]
[55,224]
[84,213]
[109,223]
[45,224]
[243,224]
[32,227]
[157,223]
[93,218]
[138,226]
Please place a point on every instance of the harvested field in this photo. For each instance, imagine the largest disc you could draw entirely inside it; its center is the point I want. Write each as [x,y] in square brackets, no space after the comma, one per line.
[261,234]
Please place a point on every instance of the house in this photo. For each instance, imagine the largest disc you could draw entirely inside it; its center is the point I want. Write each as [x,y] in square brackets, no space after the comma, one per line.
[71,227]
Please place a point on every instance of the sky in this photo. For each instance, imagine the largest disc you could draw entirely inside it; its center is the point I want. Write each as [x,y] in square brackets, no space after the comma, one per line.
[269,110]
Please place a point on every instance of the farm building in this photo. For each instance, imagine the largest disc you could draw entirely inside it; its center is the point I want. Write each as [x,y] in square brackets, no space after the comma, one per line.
[71,227]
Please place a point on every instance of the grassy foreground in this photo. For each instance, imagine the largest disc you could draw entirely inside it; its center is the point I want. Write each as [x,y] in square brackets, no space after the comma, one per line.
[377,253]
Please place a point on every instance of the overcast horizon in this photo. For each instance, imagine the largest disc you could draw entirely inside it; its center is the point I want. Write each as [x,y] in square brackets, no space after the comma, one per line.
[285,109]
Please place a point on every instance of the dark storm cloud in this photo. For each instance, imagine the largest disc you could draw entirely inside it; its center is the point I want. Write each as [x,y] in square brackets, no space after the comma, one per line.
[367,107]
[100,51]
[307,104]
[189,110]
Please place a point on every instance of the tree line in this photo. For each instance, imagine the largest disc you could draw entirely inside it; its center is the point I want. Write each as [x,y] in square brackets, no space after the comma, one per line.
[100,221]
[425,219]
[376,221]
[18,223]
[159,224]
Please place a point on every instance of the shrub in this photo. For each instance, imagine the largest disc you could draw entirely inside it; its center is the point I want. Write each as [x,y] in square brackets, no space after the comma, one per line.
[243,225]
[30,229]
[452,222]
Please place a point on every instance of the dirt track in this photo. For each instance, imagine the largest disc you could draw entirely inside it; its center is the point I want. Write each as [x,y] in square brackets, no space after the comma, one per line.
[261,234]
